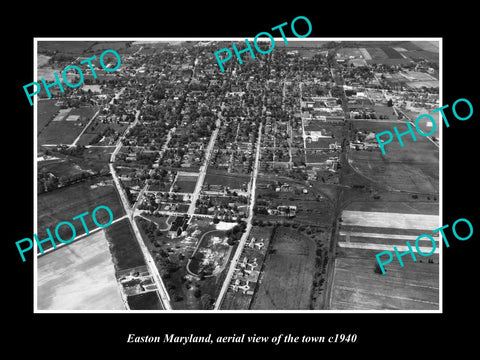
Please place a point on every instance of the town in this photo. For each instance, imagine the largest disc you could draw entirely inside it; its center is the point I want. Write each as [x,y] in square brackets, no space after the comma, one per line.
[261,187]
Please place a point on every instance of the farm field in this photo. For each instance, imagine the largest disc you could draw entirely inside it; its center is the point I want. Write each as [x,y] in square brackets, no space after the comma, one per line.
[425,124]
[383,55]
[63,132]
[45,113]
[79,276]
[65,203]
[358,287]
[362,235]
[390,220]
[420,84]
[432,46]
[73,48]
[288,273]
[60,132]
[397,203]
[413,167]
[347,52]
[47,72]
[123,245]
[59,167]
[419,55]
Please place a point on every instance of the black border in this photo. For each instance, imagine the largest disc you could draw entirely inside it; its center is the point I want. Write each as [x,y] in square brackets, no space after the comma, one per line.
[79,333]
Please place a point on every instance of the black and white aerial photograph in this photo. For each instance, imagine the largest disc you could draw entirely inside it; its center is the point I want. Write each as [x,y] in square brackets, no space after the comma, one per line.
[219,180]
[260,187]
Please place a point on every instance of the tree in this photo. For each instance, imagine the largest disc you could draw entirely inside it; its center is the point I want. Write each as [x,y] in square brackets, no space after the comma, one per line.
[377,269]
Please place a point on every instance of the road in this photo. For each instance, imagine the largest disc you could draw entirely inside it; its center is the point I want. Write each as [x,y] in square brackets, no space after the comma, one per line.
[161,290]
[85,128]
[203,171]
[117,95]
[243,240]
[119,141]
[413,125]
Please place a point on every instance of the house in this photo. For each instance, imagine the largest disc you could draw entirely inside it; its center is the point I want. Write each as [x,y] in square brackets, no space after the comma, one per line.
[335,146]
[179,225]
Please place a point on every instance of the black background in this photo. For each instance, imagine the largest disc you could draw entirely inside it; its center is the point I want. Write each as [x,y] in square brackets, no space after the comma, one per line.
[378,334]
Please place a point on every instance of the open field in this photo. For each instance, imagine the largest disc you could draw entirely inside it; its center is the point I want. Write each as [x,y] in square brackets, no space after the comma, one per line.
[74,48]
[121,47]
[79,276]
[350,52]
[397,203]
[358,287]
[42,60]
[46,112]
[185,184]
[413,167]
[414,177]
[420,84]
[65,203]
[422,55]
[123,245]
[424,124]
[432,46]
[288,276]
[385,111]
[92,159]
[417,76]
[391,52]
[59,167]
[60,132]
[234,181]
[362,235]
[390,220]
